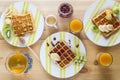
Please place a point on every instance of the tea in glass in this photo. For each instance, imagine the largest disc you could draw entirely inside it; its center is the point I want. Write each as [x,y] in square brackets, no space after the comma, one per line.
[51,20]
[17,63]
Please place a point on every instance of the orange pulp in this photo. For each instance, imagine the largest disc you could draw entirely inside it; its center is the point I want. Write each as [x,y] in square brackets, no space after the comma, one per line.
[105,59]
[76,25]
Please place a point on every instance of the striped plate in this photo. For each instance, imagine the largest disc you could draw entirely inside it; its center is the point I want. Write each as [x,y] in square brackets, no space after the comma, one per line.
[38,19]
[97,38]
[50,66]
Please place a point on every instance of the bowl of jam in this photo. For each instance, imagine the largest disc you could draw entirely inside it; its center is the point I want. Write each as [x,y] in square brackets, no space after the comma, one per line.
[65,10]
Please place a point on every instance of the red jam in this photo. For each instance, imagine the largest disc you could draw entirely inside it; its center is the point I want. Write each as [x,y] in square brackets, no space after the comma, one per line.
[65,10]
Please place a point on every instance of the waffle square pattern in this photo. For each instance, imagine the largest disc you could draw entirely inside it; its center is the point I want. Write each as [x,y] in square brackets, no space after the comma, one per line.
[102,20]
[64,52]
[22,24]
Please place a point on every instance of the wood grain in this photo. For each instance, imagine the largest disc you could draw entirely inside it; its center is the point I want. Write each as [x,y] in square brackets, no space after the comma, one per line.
[93,72]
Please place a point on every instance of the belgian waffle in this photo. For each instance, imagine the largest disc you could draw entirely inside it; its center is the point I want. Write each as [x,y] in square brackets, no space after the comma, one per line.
[22,24]
[66,55]
[101,20]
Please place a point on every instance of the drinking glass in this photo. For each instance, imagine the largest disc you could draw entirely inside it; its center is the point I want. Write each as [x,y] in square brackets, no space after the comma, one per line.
[19,62]
[76,25]
[104,59]
[65,10]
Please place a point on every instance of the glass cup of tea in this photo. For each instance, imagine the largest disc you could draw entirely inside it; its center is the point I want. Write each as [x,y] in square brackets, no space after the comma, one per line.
[19,62]
[51,21]
[104,59]
[76,25]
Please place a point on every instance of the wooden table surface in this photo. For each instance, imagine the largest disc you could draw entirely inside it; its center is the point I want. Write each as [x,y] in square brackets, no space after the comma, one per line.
[90,72]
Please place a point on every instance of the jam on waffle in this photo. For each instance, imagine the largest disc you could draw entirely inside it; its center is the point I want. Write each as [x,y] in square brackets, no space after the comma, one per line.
[64,52]
[22,24]
[101,20]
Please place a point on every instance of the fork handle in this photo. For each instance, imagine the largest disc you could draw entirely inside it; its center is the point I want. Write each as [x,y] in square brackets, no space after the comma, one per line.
[33,52]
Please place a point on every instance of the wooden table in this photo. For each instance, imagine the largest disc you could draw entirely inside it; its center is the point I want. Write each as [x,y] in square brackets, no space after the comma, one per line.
[94,72]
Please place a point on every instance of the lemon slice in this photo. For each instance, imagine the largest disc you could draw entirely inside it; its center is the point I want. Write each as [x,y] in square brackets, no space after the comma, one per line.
[108,17]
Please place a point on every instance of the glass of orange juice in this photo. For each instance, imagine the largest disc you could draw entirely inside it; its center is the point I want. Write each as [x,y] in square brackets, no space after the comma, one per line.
[76,25]
[104,59]
[18,62]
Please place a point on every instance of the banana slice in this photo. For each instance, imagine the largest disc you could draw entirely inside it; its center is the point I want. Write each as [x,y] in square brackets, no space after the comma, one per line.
[109,27]
[8,21]
[100,28]
[105,28]
[108,17]
[55,56]
[108,12]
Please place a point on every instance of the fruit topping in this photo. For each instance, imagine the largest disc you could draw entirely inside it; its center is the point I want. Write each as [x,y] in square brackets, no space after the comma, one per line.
[108,14]
[55,56]
[116,11]
[106,28]
[95,29]
[7,32]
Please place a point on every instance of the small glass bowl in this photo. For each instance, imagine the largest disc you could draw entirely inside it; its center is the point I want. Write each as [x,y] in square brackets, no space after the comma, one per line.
[65,10]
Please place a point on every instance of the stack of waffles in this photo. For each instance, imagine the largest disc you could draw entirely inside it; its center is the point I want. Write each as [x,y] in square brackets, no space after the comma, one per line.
[64,52]
[102,20]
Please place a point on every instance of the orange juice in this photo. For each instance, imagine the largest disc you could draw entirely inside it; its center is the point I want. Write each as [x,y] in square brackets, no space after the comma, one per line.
[105,59]
[76,25]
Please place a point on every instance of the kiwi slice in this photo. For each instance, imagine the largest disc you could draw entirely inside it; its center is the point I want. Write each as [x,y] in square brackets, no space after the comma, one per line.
[7,32]
[116,11]
[95,29]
